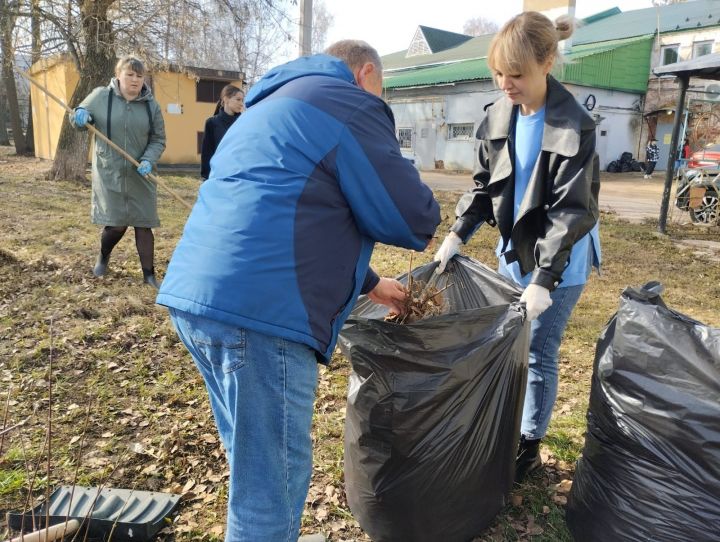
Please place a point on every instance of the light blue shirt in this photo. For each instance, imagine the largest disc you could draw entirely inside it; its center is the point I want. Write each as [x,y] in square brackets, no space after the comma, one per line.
[586,252]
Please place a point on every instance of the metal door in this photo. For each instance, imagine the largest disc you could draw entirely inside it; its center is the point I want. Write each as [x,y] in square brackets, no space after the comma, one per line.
[663,133]
[425,137]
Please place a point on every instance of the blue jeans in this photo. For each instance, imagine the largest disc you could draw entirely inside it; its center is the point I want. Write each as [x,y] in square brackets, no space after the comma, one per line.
[545,335]
[261,391]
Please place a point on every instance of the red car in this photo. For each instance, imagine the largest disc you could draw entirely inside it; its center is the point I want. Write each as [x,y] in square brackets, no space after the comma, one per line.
[707,157]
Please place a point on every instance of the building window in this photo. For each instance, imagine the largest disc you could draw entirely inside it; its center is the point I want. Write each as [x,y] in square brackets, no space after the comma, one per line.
[460,131]
[669,54]
[405,138]
[208,90]
[702,48]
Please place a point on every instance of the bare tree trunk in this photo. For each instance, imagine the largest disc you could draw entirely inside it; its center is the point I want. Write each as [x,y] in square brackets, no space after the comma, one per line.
[36,54]
[9,79]
[96,68]
[4,137]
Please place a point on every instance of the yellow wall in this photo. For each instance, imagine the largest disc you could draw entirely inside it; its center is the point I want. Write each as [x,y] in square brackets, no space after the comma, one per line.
[60,77]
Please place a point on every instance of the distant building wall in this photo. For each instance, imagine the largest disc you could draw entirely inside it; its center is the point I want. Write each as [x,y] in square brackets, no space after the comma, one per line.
[436,115]
[618,116]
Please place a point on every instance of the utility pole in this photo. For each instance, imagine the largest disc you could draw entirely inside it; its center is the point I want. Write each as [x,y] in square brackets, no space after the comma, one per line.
[305,27]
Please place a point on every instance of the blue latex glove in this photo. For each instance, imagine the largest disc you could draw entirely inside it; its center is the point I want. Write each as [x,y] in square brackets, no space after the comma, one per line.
[144,168]
[81,117]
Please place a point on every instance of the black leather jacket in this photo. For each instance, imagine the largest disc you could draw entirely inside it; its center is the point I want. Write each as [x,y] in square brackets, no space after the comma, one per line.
[560,204]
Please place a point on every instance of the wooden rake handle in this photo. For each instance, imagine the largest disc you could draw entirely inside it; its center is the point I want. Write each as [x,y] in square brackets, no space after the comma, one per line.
[154,178]
[52,533]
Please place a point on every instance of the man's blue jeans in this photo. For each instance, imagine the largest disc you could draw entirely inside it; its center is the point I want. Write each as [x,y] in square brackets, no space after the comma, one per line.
[545,335]
[261,391]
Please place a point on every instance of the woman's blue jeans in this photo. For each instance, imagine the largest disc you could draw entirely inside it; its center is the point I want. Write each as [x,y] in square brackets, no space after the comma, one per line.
[545,335]
[261,391]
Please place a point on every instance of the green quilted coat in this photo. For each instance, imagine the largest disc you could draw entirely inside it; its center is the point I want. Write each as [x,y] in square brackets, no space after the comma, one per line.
[120,196]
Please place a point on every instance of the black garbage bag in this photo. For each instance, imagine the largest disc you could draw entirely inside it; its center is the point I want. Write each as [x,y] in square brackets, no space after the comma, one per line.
[434,409]
[613,167]
[650,469]
[625,157]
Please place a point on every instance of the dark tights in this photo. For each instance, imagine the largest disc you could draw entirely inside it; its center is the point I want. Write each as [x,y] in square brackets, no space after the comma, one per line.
[144,241]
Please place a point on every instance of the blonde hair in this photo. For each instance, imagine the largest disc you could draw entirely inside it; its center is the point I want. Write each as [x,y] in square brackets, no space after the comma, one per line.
[528,38]
[132,62]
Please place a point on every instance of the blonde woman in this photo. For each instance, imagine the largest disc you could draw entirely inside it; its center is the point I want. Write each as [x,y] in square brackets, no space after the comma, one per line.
[538,181]
[126,112]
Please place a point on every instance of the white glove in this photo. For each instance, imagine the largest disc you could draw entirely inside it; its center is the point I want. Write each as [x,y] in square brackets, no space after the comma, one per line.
[536,299]
[450,246]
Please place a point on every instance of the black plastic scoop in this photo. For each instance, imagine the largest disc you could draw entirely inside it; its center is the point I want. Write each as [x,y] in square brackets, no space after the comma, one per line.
[131,515]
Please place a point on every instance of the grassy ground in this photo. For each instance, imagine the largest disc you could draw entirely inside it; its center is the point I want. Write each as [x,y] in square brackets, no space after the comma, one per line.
[119,371]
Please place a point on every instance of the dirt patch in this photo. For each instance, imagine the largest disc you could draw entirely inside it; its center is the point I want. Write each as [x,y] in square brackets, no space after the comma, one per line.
[118,362]
[701,248]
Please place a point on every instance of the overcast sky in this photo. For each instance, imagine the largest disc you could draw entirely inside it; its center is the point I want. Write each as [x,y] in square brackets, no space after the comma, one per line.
[389,25]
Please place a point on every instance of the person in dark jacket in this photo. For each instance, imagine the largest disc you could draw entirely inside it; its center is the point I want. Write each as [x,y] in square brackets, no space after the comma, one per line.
[126,112]
[226,113]
[273,257]
[652,155]
[538,181]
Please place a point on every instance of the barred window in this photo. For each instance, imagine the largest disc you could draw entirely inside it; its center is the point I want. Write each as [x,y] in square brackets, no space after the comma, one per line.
[669,54]
[702,48]
[208,90]
[405,138]
[460,131]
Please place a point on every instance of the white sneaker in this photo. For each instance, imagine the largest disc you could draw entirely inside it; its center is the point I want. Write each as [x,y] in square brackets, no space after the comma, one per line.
[312,538]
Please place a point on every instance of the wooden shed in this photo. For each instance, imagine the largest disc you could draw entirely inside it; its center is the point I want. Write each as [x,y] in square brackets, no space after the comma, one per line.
[186,95]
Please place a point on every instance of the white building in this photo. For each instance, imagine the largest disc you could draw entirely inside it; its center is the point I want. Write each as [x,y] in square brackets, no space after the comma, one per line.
[440,86]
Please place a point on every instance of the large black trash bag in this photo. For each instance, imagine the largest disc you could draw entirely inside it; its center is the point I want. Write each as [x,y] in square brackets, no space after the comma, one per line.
[650,469]
[434,409]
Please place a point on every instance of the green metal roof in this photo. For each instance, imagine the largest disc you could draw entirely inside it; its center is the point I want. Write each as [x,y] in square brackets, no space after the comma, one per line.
[465,70]
[611,50]
[673,18]
[472,48]
[440,40]
[601,15]
[620,64]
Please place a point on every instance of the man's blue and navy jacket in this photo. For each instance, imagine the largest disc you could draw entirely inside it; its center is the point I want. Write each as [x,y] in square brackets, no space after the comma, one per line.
[301,187]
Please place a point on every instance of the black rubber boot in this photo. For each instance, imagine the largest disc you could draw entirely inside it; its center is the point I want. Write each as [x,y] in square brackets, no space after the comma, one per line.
[101,265]
[528,458]
[149,278]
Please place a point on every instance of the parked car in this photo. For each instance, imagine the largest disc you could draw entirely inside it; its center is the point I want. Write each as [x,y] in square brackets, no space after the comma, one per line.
[697,193]
[707,157]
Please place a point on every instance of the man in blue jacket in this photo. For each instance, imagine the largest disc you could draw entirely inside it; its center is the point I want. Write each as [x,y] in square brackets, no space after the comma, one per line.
[273,257]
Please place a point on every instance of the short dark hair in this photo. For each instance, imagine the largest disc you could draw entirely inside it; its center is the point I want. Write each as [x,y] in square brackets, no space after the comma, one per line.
[355,53]
[130,62]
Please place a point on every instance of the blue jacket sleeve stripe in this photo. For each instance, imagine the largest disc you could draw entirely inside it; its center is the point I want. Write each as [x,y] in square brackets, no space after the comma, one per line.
[378,182]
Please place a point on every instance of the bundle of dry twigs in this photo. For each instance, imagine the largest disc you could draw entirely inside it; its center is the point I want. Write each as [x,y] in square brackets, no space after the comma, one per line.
[422,301]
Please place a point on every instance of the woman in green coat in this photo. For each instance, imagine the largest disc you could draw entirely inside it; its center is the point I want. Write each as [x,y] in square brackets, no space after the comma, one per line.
[126,112]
